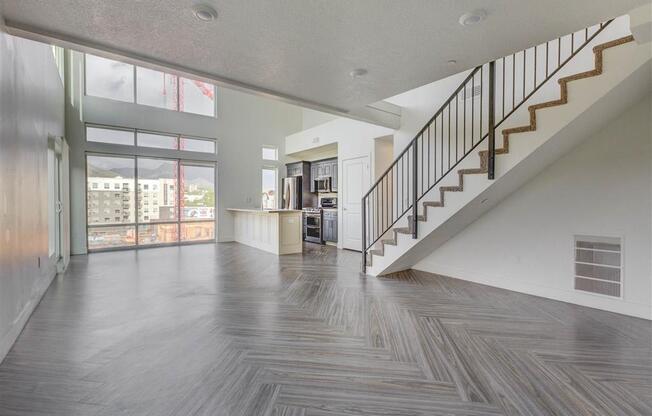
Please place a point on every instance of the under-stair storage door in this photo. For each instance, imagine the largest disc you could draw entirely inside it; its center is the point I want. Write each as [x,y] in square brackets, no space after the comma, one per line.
[354,183]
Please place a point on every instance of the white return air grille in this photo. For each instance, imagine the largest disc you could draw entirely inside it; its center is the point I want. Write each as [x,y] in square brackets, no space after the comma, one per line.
[598,265]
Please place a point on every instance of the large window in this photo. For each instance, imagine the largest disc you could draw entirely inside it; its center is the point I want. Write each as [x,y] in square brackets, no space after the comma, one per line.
[124,82]
[140,201]
[269,188]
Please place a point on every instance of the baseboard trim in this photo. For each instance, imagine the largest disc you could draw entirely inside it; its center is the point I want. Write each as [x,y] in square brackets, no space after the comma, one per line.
[620,306]
[19,323]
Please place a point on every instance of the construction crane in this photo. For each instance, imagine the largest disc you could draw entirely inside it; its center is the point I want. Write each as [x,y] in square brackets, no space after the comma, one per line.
[206,90]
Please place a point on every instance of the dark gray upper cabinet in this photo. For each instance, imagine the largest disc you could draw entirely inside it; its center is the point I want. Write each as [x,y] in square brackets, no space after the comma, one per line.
[324,169]
[313,176]
[294,169]
[334,175]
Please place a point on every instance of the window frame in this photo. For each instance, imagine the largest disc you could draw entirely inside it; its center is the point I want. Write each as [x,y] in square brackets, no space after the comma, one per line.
[136,224]
[136,149]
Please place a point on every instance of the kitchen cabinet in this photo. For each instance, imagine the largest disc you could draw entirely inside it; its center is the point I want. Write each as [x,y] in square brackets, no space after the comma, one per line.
[294,169]
[330,226]
[324,169]
[313,176]
[334,175]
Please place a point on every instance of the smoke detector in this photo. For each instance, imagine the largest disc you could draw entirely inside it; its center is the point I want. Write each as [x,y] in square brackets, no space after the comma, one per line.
[204,12]
[473,18]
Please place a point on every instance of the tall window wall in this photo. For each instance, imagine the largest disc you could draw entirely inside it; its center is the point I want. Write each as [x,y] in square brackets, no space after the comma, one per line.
[120,81]
[141,200]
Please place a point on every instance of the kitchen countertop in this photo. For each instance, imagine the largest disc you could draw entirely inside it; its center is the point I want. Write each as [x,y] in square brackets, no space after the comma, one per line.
[262,211]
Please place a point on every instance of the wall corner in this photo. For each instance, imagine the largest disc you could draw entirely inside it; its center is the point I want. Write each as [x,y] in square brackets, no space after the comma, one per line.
[640,22]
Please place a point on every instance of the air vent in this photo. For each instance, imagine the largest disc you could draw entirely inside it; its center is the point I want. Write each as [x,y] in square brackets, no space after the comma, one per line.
[598,265]
[472,92]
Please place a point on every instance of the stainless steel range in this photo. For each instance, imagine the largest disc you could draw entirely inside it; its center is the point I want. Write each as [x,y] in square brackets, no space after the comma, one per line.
[312,225]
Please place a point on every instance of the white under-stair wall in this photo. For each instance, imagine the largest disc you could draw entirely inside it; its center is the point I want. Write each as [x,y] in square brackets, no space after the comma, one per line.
[603,187]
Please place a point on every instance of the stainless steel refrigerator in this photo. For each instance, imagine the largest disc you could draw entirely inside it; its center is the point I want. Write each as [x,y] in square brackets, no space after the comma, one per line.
[292,193]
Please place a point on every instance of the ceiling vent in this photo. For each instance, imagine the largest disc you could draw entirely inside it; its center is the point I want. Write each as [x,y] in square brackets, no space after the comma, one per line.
[598,265]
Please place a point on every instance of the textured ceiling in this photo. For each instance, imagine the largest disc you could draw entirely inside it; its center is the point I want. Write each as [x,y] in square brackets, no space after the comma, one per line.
[305,49]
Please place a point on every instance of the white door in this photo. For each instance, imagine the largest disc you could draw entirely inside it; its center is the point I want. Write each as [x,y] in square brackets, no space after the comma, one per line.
[55,207]
[354,184]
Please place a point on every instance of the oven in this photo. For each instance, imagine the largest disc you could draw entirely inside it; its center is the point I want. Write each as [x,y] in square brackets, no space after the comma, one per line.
[323,184]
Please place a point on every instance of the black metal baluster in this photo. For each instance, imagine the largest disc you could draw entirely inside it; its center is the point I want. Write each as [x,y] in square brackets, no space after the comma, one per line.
[472,109]
[481,97]
[547,43]
[449,136]
[535,68]
[421,174]
[364,234]
[434,145]
[524,53]
[503,115]
[457,154]
[513,81]
[415,219]
[558,52]
[441,167]
[492,128]
[428,158]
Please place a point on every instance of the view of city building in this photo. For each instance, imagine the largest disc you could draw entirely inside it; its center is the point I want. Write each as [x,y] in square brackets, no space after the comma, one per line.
[127,211]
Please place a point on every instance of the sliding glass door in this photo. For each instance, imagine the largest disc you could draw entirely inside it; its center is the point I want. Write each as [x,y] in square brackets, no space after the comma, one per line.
[145,201]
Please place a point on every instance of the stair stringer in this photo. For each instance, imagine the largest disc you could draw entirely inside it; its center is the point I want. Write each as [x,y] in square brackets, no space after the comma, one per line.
[591,100]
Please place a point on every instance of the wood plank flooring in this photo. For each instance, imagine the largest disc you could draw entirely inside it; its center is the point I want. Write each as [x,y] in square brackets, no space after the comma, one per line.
[229,330]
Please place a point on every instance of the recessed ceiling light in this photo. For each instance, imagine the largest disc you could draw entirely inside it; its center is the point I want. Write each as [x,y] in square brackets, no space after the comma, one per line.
[472,18]
[451,62]
[204,12]
[357,73]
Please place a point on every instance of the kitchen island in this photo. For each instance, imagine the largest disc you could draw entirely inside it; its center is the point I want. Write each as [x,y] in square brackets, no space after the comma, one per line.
[277,231]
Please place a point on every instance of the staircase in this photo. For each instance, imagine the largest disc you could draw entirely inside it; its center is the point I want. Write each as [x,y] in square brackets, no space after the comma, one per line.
[540,100]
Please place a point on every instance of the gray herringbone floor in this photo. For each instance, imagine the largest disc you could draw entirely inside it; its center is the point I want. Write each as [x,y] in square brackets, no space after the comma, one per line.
[229,330]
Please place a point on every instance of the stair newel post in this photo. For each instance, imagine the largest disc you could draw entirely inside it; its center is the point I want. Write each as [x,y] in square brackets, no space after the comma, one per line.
[491,156]
[364,234]
[415,182]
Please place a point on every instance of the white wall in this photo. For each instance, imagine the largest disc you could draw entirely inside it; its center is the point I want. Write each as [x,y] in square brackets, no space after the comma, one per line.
[383,155]
[603,187]
[31,108]
[313,118]
[244,124]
